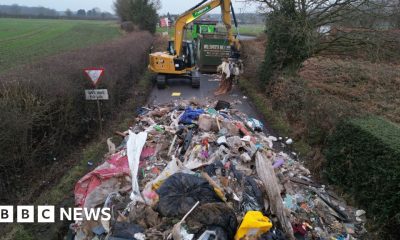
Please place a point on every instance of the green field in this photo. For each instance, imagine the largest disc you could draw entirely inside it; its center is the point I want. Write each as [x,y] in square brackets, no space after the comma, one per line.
[251,29]
[25,40]
[244,29]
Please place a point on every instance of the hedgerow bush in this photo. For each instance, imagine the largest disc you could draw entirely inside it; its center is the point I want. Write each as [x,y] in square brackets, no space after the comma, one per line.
[43,111]
[363,156]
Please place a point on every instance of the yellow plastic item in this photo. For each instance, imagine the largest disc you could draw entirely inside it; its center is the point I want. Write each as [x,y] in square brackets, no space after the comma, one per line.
[253,225]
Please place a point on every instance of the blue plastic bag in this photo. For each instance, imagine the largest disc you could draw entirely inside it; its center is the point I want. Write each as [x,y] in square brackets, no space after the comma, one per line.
[190,114]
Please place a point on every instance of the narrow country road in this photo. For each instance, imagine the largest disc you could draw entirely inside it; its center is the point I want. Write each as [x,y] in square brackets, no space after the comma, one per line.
[208,85]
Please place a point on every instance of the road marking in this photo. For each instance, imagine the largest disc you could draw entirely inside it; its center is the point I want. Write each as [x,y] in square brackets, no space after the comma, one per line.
[176,94]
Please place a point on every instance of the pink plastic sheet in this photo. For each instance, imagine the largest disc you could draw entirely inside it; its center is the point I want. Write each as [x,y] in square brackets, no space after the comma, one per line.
[116,166]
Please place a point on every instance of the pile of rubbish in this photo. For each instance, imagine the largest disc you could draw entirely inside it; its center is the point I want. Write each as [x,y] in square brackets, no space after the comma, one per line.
[191,170]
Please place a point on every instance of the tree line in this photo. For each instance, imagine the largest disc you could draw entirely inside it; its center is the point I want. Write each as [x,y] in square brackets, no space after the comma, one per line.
[17,11]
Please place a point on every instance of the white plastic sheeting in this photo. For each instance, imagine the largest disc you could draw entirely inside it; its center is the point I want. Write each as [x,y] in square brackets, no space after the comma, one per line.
[135,146]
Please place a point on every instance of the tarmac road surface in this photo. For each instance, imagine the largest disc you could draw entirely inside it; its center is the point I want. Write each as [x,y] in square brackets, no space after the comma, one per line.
[209,83]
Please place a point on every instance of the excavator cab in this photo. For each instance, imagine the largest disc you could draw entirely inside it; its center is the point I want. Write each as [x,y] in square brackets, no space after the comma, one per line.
[188,58]
[169,65]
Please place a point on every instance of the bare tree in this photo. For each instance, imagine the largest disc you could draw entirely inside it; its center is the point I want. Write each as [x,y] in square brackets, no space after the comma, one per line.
[298,29]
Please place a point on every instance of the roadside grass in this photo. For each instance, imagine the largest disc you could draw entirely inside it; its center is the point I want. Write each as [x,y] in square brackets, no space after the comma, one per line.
[61,192]
[275,119]
[26,40]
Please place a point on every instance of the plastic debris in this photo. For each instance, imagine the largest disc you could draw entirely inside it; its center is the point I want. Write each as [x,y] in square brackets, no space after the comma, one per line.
[134,150]
[181,191]
[125,230]
[222,105]
[255,124]
[254,225]
[245,157]
[289,141]
[221,140]
[208,235]
[278,162]
[190,115]
[253,197]
[272,138]
[359,213]
[191,169]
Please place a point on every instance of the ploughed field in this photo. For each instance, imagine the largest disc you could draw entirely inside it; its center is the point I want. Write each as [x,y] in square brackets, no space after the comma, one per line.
[26,40]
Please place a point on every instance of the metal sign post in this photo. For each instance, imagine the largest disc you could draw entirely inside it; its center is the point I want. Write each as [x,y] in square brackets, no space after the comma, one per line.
[99,114]
[94,75]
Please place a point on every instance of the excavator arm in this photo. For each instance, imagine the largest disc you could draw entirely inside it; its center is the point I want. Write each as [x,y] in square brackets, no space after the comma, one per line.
[198,11]
[175,62]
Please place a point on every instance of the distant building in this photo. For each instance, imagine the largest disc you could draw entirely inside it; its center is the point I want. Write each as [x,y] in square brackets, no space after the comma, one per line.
[165,22]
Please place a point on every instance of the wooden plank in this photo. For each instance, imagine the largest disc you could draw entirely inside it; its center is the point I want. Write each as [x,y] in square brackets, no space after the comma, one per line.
[267,175]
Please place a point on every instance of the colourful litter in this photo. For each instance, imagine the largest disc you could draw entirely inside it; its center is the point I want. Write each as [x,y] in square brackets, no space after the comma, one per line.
[253,225]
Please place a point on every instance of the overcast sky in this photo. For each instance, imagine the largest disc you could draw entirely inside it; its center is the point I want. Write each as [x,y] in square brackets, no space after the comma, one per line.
[172,6]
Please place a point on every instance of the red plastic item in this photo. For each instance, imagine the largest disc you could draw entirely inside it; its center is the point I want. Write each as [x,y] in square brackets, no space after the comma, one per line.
[244,131]
[117,166]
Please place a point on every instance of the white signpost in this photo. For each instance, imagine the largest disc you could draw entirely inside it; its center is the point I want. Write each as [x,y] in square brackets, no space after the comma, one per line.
[94,74]
[96,94]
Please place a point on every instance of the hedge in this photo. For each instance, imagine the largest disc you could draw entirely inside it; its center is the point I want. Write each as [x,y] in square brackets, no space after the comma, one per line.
[363,157]
[43,111]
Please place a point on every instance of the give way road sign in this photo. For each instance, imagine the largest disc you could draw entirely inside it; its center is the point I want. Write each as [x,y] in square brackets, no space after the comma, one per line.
[94,74]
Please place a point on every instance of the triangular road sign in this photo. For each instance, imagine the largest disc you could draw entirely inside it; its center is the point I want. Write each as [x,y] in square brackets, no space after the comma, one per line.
[94,74]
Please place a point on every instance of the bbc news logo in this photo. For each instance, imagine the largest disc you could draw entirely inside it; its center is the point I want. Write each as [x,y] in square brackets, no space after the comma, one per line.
[47,214]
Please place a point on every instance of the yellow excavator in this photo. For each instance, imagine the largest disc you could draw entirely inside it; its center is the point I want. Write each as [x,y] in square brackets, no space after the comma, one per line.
[179,60]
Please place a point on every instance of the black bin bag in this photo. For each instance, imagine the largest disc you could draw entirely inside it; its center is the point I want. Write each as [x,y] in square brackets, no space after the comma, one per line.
[180,192]
[215,217]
